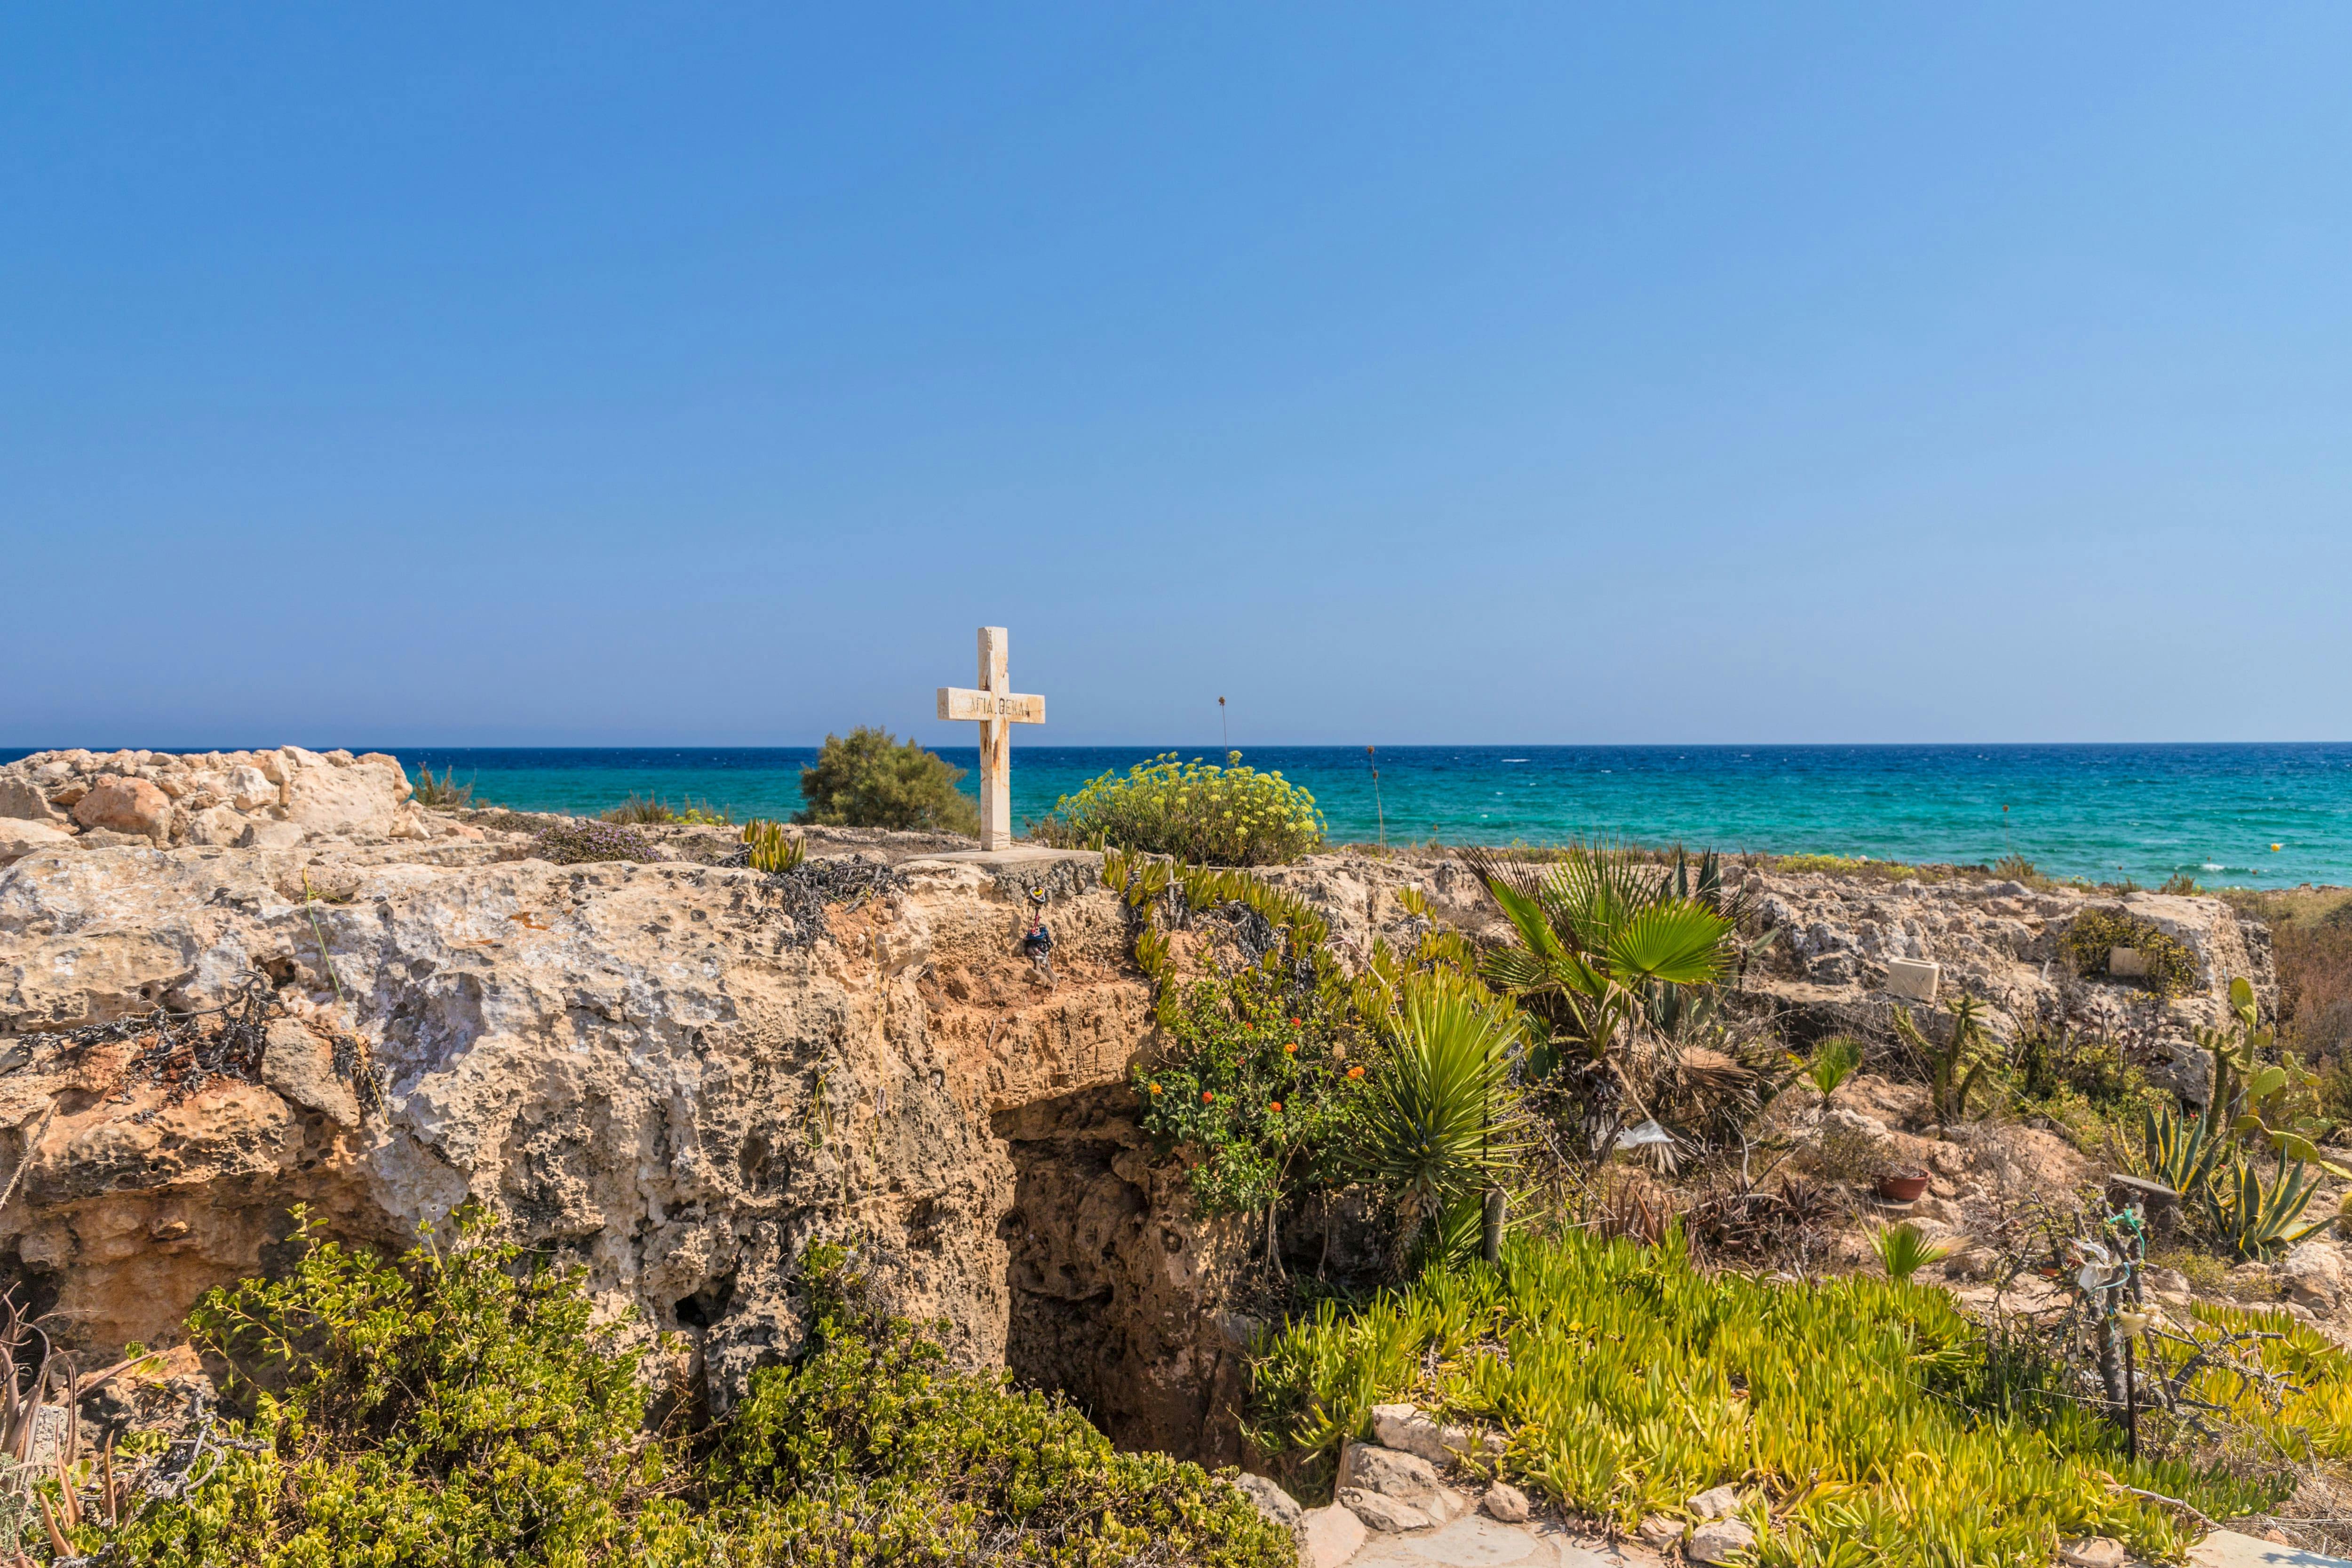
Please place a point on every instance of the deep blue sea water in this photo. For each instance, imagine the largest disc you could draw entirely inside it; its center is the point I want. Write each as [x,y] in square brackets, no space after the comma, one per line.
[2101,811]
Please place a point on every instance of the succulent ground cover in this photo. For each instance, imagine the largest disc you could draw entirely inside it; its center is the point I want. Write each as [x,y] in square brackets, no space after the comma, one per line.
[1865,1421]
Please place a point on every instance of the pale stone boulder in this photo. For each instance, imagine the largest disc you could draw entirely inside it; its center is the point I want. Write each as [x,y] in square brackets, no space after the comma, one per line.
[324,798]
[2098,1552]
[1719,1540]
[126,806]
[19,837]
[1407,1478]
[302,1068]
[1272,1501]
[2313,1275]
[217,826]
[1505,1503]
[1333,1535]
[1659,1532]
[21,799]
[1409,1430]
[249,790]
[1714,1502]
[1386,1514]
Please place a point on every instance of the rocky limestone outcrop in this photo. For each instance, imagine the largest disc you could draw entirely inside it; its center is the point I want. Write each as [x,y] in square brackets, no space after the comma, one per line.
[648,1066]
[1831,937]
[674,1073]
[274,799]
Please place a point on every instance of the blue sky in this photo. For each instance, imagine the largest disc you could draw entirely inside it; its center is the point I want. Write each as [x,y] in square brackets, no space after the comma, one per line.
[1542,374]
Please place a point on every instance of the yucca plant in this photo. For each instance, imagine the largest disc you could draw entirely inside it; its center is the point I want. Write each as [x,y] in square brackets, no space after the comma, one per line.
[1904,1251]
[772,848]
[1437,1125]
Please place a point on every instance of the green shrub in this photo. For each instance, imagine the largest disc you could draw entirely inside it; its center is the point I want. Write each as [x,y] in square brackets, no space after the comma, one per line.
[1201,813]
[868,780]
[455,1408]
[2052,1058]
[443,794]
[1868,1414]
[2171,966]
[2016,868]
[1254,1081]
[871,1451]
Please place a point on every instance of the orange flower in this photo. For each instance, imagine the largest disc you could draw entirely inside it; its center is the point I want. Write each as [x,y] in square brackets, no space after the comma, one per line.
[1291,1049]
[1208,1097]
[1294,1022]
[1155,1089]
[1277,1108]
[1355,1072]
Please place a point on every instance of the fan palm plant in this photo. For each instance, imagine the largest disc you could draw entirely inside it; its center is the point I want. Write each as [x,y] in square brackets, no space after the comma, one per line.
[1613,948]
[1437,1126]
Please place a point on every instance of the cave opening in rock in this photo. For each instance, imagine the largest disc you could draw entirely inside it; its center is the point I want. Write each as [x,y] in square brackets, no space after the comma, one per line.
[1114,1283]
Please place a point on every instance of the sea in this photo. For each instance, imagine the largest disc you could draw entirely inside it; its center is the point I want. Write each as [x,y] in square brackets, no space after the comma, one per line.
[2246,815]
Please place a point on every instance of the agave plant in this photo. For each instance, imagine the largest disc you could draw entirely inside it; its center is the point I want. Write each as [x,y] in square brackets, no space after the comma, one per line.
[1437,1124]
[2257,1218]
[2187,1156]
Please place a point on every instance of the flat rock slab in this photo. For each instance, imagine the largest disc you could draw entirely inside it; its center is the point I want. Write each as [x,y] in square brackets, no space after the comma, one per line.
[1475,1541]
[1024,855]
[2228,1549]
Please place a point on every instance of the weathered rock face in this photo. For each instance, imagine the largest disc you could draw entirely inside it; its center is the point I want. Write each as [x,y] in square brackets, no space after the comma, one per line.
[1999,941]
[657,1068]
[1116,1278]
[272,799]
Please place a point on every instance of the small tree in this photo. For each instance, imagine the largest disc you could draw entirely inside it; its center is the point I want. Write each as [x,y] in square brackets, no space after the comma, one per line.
[868,780]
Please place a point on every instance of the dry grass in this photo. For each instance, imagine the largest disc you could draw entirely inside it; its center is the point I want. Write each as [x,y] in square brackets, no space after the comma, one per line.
[2310,935]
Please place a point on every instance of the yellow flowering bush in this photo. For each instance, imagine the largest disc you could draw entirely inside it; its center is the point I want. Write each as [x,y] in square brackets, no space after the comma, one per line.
[1199,813]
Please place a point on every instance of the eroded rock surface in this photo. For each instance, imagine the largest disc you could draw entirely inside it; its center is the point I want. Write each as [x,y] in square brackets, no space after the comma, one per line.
[653,1067]
[1833,937]
[273,799]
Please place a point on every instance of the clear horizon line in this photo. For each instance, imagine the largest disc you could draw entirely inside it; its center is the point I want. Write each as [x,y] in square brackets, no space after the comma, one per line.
[1042,744]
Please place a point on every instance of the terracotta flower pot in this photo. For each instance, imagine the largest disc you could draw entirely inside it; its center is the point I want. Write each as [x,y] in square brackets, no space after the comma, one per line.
[1901,1189]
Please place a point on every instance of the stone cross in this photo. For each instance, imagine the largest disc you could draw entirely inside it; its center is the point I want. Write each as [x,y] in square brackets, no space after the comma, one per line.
[994,705]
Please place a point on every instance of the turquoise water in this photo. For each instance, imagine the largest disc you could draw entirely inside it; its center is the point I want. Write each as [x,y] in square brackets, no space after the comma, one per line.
[2146,812]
